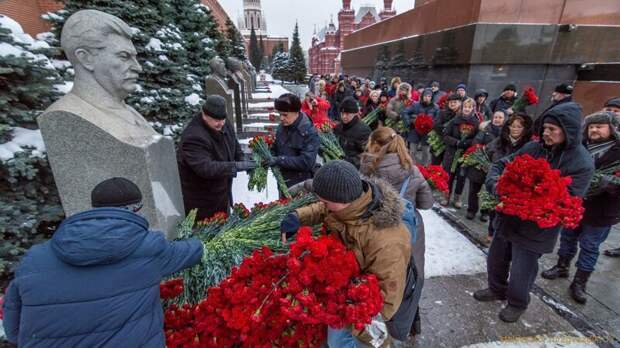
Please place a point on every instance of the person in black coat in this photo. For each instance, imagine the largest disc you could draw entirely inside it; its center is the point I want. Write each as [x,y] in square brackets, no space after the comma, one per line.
[519,244]
[602,207]
[352,133]
[297,141]
[562,94]
[517,132]
[488,132]
[209,157]
[458,135]
[505,101]
[483,110]
[342,91]
[420,141]
[441,121]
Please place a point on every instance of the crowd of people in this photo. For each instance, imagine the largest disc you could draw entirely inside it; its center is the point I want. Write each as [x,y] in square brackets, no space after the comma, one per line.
[370,200]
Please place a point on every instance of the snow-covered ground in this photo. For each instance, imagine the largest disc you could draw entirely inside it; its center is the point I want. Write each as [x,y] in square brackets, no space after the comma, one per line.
[276,91]
[572,339]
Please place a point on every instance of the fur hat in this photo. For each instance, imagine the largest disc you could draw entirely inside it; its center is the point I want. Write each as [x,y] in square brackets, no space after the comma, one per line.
[602,117]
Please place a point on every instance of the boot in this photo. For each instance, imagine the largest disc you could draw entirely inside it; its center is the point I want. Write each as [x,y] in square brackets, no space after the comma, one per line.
[445,200]
[558,271]
[470,215]
[510,314]
[578,286]
[487,295]
[612,252]
[457,202]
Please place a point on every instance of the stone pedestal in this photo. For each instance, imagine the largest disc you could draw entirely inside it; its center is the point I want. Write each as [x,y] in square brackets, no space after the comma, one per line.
[238,76]
[235,86]
[86,147]
[214,85]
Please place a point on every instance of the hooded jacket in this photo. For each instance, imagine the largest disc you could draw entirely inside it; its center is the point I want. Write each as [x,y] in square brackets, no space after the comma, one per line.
[95,283]
[410,114]
[572,159]
[371,227]
[483,109]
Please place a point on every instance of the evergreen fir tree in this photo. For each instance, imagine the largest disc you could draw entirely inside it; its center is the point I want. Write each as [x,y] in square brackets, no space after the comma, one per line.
[297,62]
[236,41]
[30,205]
[280,68]
[261,47]
[255,55]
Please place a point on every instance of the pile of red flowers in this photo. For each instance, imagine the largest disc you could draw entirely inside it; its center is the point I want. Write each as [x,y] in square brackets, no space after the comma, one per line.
[533,191]
[436,176]
[217,218]
[171,289]
[423,124]
[262,206]
[281,300]
[324,125]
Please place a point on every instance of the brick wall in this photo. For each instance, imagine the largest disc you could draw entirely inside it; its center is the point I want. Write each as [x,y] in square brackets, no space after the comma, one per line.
[218,12]
[28,13]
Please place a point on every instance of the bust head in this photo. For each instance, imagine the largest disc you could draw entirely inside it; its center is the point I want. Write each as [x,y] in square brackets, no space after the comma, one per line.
[234,64]
[218,66]
[99,47]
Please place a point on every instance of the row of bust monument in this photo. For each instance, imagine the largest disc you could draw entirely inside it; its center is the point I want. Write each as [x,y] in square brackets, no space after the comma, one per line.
[91,134]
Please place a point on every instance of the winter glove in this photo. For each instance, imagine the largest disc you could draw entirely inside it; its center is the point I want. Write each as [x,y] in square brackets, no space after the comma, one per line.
[289,225]
[245,166]
[270,162]
[302,187]
[607,184]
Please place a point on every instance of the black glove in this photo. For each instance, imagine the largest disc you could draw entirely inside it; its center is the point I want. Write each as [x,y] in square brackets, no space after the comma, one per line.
[607,184]
[270,162]
[290,224]
[245,165]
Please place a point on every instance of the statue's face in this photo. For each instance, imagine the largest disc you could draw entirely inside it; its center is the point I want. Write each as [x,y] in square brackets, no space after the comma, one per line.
[116,68]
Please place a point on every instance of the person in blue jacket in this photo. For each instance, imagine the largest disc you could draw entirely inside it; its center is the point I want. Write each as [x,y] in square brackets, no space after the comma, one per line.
[297,141]
[96,282]
[416,140]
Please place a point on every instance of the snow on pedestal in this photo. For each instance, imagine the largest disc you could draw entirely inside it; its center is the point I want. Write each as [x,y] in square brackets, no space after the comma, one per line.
[241,194]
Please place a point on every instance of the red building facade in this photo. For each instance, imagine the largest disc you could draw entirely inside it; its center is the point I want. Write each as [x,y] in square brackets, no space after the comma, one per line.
[324,52]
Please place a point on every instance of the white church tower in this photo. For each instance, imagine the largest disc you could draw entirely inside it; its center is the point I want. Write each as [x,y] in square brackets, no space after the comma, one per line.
[252,18]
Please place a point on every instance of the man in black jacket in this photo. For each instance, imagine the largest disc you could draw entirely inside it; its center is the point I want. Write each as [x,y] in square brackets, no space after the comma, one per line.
[519,244]
[563,93]
[351,132]
[505,101]
[602,207]
[297,141]
[441,121]
[209,157]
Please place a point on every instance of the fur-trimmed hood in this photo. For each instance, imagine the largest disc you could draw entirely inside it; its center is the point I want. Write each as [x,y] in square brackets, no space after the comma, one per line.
[385,208]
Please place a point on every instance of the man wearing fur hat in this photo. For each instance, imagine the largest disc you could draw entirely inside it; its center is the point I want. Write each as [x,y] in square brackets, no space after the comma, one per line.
[602,206]
[366,216]
[352,133]
[297,141]
[209,157]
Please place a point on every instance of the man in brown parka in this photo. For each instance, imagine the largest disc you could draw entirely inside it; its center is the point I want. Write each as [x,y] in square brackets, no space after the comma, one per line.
[366,215]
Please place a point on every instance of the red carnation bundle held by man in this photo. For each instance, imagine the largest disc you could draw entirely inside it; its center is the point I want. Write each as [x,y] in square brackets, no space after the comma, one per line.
[519,243]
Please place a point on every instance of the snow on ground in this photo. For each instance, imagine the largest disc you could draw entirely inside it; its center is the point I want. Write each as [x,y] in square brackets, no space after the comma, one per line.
[572,339]
[22,137]
[241,194]
[448,252]
[261,105]
[276,91]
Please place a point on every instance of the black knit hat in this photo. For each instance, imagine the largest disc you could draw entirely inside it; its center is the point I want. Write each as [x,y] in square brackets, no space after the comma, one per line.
[288,102]
[115,192]
[215,107]
[349,105]
[510,87]
[564,88]
[338,181]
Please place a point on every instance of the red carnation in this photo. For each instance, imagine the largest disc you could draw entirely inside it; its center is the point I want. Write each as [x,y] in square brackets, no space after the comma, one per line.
[423,124]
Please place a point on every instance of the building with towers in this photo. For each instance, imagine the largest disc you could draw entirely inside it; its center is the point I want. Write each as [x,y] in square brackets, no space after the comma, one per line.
[327,43]
[253,17]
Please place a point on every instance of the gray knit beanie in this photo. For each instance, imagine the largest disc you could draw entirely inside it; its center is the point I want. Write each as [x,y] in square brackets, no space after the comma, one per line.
[338,181]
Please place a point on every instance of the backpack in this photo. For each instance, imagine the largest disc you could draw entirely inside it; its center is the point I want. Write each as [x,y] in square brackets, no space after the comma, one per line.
[409,216]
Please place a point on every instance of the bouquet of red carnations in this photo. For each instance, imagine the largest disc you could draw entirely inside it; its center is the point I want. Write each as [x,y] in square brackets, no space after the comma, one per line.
[465,130]
[436,176]
[423,124]
[330,146]
[531,190]
[528,98]
[476,157]
[260,145]
[281,300]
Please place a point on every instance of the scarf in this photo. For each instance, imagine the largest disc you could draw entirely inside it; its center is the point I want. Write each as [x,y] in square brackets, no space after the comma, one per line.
[597,150]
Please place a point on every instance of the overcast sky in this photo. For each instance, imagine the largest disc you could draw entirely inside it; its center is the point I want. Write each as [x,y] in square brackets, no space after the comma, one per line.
[282,14]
